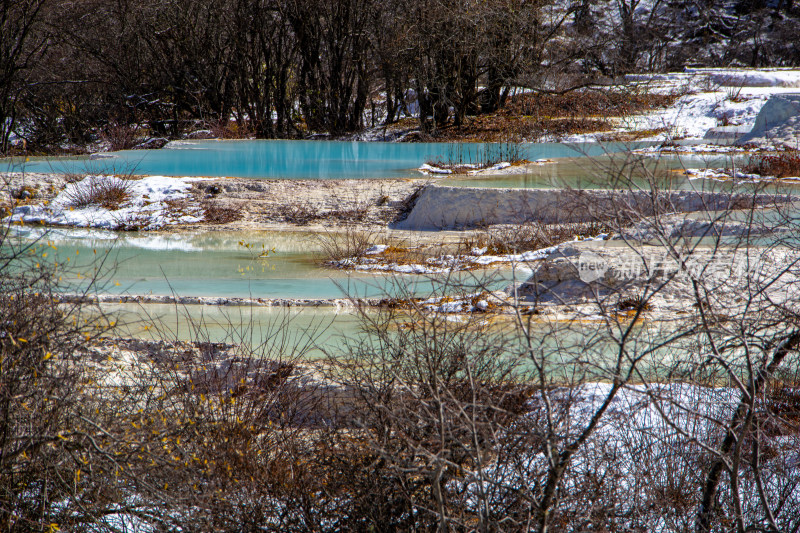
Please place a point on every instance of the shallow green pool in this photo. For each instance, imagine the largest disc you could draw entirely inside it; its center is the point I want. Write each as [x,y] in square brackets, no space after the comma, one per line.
[217,264]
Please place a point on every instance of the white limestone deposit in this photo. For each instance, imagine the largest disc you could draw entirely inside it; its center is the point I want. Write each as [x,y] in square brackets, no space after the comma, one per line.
[440,207]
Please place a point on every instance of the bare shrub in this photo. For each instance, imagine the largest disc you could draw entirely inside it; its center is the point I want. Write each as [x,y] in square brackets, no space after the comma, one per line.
[634,303]
[217,214]
[532,236]
[304,213]
[431,416]
[782,400]
[783,164]
[73,177]
[231,129]
[120,136]
[356,213]
[108,192]
[347,244]
[297,213]
[219,433]
[25,192]
[47,409]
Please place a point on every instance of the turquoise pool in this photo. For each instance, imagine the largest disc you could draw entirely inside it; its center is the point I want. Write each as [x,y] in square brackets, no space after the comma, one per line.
[296,159]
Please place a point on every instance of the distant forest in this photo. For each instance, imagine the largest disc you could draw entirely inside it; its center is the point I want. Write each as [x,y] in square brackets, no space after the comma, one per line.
[74,71]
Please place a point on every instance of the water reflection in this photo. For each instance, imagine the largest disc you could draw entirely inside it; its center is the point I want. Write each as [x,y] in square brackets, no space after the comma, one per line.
[293,159]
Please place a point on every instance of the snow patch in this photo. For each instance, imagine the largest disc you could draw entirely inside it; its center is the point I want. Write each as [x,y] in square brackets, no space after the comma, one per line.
[147,207]
[425,168]
[449,263]
[724,174]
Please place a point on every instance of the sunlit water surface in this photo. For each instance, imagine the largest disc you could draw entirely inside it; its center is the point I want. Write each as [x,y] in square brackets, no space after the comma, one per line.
[299,159]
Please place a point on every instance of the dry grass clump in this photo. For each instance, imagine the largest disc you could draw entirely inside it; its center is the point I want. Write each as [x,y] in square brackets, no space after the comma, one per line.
[217,214]
[532,236]
[633,303]
[401,255]
[783,164]
[338,246]
[109,192]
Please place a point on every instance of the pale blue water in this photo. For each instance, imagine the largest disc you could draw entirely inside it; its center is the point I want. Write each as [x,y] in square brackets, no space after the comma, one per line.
[297,159]
[211,264]
[323,329]
[600,173]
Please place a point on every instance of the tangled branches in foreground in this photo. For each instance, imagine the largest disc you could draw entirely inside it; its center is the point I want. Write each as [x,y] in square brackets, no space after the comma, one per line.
[600,414]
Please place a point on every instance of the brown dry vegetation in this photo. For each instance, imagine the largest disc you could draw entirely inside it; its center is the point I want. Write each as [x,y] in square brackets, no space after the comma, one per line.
[531,236]
[217,214]
[424,424]
[783,164]
[588,103]
[532,115]
[109,192]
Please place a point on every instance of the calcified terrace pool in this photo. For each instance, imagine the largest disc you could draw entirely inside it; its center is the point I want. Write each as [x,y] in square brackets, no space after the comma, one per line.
[297,159]
[216,264]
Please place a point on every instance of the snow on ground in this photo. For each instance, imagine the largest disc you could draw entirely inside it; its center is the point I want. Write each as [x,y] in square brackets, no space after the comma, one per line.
[432,169]
[725,174]
[651,437]
[152,203]
[719,77]
[692,115]
[768,77]
[715,97]
[471,169]
[184,145]
[468,168]
[450,263]
[477,302]
[700,149]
